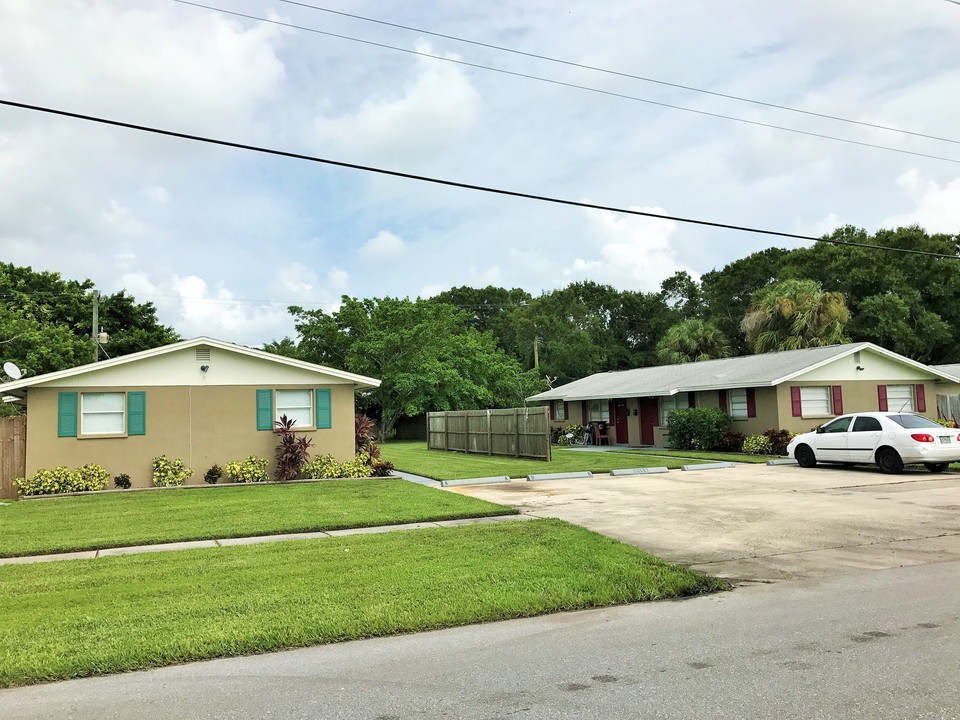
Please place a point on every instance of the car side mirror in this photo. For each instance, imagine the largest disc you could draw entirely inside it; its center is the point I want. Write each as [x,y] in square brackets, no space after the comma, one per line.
[820,429]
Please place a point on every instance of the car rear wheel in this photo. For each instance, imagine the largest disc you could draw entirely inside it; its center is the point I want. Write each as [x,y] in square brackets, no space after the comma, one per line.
[889,461]
[935,467]
[805,456]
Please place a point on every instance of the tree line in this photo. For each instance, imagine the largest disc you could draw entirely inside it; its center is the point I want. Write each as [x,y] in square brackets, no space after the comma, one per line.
[493,347]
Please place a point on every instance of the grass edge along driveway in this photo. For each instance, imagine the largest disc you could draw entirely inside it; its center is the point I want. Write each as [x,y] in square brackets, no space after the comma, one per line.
[94,522]
[79,618]
[413,456]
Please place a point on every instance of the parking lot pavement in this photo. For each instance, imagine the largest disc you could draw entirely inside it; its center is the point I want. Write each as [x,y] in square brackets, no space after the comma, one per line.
[760,522]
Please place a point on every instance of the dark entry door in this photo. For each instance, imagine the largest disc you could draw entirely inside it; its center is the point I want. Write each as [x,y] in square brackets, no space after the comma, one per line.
[649,416]
[620,415]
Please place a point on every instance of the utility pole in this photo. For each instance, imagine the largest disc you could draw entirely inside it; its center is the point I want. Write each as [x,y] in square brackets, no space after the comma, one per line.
[96,320]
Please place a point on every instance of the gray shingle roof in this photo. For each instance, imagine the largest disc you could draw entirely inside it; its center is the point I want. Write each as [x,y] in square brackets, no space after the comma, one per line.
[948,369]
[737,372]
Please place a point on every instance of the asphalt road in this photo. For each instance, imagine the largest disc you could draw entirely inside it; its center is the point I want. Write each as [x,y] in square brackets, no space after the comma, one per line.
[878,644]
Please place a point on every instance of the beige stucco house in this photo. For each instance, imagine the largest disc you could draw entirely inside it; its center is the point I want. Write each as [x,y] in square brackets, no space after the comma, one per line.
[793,390]
[203,401]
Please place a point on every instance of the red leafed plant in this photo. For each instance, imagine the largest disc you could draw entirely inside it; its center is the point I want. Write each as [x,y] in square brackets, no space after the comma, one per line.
[292,452]
[365,427]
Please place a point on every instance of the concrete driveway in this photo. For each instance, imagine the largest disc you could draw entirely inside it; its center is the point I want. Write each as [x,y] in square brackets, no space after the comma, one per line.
[758,522]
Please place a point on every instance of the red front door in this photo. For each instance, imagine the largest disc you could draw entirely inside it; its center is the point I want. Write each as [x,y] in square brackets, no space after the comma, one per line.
[649,416]
[620,415]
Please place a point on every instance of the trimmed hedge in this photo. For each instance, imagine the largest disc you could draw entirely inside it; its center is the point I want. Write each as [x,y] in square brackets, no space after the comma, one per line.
[697,428]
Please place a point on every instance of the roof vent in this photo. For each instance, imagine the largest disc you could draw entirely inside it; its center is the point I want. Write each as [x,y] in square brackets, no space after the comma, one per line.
[203,354]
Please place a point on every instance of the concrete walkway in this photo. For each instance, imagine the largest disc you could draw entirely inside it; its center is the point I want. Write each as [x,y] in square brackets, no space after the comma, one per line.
[255,540]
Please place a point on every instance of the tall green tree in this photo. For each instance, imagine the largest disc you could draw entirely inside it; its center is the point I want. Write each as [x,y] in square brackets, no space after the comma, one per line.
[45,321]
[903,301]
[728,292]
[692,340]
[794,314]
[424,352]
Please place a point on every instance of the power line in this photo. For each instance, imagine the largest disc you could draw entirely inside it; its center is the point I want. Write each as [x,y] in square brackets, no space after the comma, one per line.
[452,183]
[617,73]
[575,86]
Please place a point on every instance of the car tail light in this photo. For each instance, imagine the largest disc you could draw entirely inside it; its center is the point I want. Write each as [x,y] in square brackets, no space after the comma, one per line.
[922,437]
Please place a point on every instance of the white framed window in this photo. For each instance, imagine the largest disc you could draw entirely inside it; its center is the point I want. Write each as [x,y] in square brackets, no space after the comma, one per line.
[900,398]
[297,405]
[737,404]
[598,410]
[558,413]
[816,400]
[103,413]
[669,403]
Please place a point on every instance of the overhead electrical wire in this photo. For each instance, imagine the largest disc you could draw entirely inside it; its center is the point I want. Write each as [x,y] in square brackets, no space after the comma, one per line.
[462,185]
[539,78]
[618,73]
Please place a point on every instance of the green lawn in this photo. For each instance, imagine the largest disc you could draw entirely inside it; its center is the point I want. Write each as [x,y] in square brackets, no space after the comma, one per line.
[414,457]
[706,456]
[90,617]
[33,527]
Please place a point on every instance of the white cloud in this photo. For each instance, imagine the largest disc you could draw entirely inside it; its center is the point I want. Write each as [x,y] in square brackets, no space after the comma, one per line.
[936,206]
[384,247]
[156,193]
[435,113]
[635,253]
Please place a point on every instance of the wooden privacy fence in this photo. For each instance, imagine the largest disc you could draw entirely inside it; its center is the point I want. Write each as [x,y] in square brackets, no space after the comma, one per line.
[948,407]
[13,453]
[514,432]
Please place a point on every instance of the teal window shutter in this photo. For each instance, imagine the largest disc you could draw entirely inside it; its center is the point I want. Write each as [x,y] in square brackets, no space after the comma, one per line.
[136,413]
[264,409]
[67,414]
[324,409]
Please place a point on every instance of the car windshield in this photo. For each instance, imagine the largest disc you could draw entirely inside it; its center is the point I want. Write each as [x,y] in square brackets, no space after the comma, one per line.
[914,421]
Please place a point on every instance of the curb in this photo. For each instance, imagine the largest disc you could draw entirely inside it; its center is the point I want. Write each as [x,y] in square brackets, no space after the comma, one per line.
[786,461]
[559,476]
[475,481]
[640,471]
[709,466]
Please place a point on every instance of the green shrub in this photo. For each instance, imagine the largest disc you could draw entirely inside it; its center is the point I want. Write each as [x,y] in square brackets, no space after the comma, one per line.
[326,466]
[946,423]
[779,439]
[697,428]
[122,481]
[559,436]
[251,469]
[48,482]
[731,442]
[90,477]
[212,475]
[169,473]
[757,445]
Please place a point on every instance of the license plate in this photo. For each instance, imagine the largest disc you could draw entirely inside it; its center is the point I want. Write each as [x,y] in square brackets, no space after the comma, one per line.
[945,439]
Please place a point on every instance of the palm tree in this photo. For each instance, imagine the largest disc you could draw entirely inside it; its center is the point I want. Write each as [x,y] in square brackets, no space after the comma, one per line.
[794,314]
[691,341]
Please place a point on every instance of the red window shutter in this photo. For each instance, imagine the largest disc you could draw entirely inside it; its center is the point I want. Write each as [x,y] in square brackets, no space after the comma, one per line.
[751,403]
[722,397]
[693,399]
[882,397]
[797,407]
[553,413]
[611,411]
[566,411]
[583,409]
[837,400]
[921,399]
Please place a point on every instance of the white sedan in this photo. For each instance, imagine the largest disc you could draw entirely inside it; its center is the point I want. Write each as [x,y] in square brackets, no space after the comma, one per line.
[889,439]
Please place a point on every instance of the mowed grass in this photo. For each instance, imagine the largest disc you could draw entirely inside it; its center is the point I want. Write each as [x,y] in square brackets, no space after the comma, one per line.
[414,457]
[90,617]
[36,527]
[705,456]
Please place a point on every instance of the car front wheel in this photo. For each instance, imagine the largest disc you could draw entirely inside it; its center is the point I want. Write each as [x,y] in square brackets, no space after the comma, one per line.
[935,467]
[805,456]
[889,461]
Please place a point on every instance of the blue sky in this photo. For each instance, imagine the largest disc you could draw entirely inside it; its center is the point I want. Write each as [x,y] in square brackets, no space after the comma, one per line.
[222,241]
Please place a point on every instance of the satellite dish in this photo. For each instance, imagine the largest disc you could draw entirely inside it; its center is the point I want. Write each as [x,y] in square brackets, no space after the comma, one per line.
[12,370]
